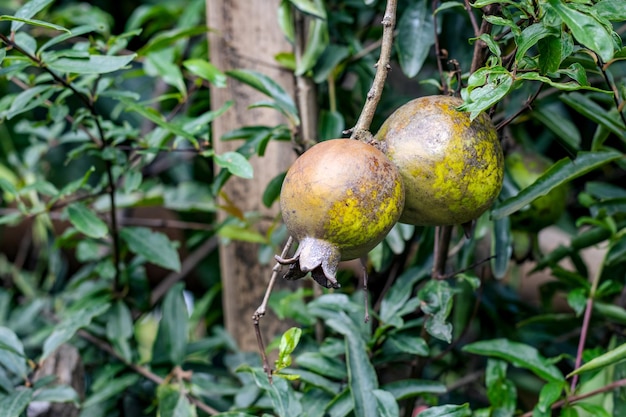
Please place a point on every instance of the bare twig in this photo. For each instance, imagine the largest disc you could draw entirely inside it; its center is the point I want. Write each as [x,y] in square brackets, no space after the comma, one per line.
[472,17]
[527,105]
[89,104]
[575,398]
[619,104]
[443,234]
[361,130]
[262,309]
[145,372]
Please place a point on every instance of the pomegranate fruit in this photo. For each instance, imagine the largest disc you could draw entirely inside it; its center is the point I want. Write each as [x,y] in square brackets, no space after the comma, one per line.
[452,167]
[524,168]
[339,199]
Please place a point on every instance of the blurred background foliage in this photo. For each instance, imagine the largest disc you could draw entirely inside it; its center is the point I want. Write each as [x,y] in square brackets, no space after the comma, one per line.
[116,115]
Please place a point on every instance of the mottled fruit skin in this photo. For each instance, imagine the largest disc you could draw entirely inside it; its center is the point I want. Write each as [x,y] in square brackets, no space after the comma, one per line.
[524,168]
[452,167]
[339,199]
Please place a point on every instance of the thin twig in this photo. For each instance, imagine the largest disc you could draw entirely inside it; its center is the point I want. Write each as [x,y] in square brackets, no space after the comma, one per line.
[527,105]
[262,309]
[470,13]
[103,144]
[146,373]
[575,398]
[438,52]
[585,325]
[619,104]
[361,130]
[443,235]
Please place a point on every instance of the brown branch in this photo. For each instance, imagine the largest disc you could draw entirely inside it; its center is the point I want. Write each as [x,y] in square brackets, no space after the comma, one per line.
[146,373]
[103,144]
[527,105]
[575,398]
[472,17]
[361,130]
[619,104]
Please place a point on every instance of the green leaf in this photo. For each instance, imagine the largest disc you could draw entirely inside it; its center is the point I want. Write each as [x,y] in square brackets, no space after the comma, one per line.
[409,388]
[330,125]
[206,71]
[501,391]
[564,86]
[501,246]
[449,410]
[281,393]
[529,38]
[29,99]
[391,307]
[387,405]
[272,191]
[486,87]
[288,343]
[14,404]
[361,375]
[86,222]
[586,29]
[34,22]
[116,385]
[28,10]
[269,87]
[327,64]
[561,172]
[173,402]
[235,163]
[609,358]
[316,43]
[549,54]
[77,31]
[171,341]
[12,357]
[162,64]
[566,131]
[309,7]
[323,365]
[71,323]
[436,303]
[518,354]
[548,395]
[411,344]
[416,35]
[95,64]
[166,38]
[154,246]
[158,119]
[57,394]
[612,10]
[120,323]
[286,20]
[241,233]
[594,112]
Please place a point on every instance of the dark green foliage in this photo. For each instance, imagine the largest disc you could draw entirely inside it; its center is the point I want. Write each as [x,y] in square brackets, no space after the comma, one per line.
[103,111]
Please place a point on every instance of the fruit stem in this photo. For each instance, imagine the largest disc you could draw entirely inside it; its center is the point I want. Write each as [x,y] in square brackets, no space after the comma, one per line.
[382,68]
[260,311]
[443,234]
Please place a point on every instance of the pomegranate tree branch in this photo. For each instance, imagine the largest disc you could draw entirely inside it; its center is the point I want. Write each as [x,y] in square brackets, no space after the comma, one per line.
[361,130]
[101,142]
[575,398]
[145,372]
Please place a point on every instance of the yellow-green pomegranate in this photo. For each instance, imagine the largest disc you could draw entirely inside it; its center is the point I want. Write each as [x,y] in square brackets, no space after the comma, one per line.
[524,168]
[452,167]
[339,199]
